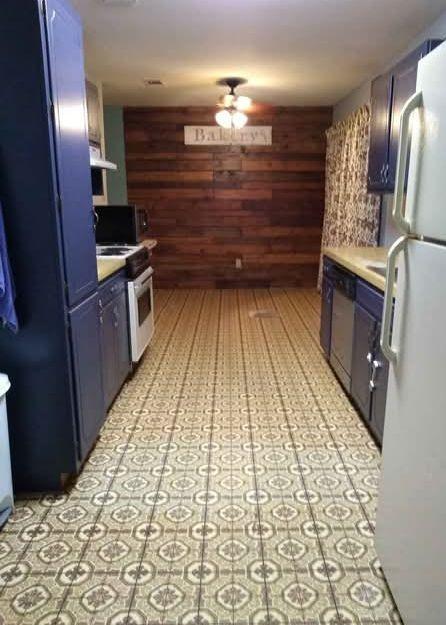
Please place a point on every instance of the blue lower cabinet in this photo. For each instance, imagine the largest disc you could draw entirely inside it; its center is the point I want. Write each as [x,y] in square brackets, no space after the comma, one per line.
[370,368]
[86,354]
[116,363]
[363,342]
[379,394]
[108,353]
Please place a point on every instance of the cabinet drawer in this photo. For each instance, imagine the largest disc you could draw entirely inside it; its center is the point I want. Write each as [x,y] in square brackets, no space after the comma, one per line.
[370,299]
[111,288]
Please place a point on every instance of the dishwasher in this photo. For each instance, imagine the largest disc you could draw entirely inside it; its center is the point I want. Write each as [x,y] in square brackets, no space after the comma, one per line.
[342,324]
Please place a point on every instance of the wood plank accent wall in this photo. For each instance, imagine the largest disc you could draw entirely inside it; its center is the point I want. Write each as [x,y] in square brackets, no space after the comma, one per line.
[211,205]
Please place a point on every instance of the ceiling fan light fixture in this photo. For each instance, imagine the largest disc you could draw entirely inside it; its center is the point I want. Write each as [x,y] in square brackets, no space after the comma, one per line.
[224,118]
[242,103]
[232,113]
[239,119]
[227,100]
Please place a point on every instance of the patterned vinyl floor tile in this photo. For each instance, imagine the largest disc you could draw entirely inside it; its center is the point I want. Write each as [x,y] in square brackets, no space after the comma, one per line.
[232,484]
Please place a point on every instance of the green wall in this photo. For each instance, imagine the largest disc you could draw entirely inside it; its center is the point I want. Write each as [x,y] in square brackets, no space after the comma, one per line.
[115,152]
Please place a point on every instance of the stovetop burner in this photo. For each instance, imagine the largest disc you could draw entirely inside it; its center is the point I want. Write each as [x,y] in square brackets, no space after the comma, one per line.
[119,251]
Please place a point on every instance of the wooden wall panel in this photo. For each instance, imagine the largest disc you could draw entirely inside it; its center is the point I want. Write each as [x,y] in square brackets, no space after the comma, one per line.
[211,205]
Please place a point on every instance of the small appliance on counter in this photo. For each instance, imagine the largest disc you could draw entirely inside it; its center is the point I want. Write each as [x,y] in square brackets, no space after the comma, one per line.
[125,224]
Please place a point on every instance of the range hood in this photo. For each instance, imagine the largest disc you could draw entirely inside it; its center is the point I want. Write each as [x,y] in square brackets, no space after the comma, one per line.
[97,162]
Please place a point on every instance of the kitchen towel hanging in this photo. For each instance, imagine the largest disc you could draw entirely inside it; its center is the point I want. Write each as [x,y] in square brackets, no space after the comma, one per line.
[351,215]
[8,316]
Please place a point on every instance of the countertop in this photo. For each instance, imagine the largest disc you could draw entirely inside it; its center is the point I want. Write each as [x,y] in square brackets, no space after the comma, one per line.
[108,266]
[357,259]
[150,243]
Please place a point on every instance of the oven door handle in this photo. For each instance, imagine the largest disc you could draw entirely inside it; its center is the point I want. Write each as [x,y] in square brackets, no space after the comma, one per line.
[142,288]
[142,280]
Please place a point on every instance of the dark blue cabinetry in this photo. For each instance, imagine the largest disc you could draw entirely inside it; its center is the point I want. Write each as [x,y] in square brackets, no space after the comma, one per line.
[364,337]
[381,106]
[115,342]
[54,362]
[369,368]
[86,350]
[68,97]
[389,93]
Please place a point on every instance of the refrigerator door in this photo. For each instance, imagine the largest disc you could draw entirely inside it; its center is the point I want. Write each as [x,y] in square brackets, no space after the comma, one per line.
[425,204]
[411,518]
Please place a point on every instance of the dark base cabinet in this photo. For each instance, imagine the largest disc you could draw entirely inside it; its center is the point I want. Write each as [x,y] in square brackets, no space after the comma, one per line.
[115,341]
[364,336]
[378,408]
[86,348]
[369,369]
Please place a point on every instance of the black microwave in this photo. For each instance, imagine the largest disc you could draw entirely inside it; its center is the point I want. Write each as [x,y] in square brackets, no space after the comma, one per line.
[121,224]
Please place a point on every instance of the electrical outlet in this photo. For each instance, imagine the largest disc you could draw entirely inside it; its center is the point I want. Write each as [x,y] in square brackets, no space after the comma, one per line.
[238,263]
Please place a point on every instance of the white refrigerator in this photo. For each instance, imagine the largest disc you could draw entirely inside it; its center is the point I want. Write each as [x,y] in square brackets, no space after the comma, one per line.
[411,517]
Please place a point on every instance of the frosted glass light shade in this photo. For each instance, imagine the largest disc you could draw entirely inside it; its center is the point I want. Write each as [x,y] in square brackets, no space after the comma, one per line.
[224,118]
[239,119]
[242,103]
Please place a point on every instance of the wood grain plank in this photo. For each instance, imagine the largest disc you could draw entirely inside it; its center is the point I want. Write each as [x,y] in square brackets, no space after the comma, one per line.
[211,205]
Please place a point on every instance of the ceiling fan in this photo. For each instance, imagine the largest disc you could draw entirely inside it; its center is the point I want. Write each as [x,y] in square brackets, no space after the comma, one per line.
[232,106]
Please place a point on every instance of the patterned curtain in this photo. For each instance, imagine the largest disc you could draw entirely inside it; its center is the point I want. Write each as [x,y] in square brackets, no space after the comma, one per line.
[351,214]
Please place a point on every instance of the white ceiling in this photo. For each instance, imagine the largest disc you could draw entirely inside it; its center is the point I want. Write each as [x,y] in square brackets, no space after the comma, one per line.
[293,52]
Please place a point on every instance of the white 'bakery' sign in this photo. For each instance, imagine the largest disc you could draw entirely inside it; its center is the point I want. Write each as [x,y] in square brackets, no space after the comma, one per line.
[214,135]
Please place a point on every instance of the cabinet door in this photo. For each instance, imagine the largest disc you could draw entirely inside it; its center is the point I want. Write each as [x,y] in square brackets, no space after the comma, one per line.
[108,345]
[87,373]
[326,313]
[122,337]
[379,392]
[364,333]
[67,77]
[381,104]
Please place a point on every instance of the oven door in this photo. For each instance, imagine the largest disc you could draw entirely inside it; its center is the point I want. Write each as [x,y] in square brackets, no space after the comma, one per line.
[141,313]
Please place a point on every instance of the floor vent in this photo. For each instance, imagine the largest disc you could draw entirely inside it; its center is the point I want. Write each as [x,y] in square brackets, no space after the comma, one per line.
[263,313]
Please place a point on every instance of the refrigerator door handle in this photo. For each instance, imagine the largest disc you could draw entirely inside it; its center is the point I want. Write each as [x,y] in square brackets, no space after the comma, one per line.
[415,102]
[385,340]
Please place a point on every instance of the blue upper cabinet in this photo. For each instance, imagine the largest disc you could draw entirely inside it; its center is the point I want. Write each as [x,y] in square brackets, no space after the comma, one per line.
[389,94]
[381,104]
[67,85]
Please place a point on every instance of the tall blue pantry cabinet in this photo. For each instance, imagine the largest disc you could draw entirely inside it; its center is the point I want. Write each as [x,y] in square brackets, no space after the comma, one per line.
[56,403]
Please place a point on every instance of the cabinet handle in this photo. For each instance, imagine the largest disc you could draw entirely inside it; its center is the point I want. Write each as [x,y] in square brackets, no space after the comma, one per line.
[415,102]
[375,366]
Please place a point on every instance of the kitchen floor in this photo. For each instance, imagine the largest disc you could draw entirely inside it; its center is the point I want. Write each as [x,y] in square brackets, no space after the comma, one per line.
[233,483]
